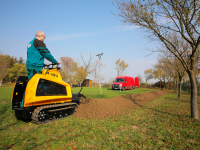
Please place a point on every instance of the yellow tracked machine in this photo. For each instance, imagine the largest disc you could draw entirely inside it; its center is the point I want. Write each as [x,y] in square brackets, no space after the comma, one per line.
[46,96]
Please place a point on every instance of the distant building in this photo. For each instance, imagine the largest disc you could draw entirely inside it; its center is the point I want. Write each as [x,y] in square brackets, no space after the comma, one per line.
[87,83]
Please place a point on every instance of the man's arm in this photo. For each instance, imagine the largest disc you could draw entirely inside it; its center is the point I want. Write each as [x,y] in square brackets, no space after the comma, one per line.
[41,47]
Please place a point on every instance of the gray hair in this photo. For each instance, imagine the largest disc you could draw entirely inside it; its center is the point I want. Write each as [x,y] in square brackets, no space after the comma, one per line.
[39,33]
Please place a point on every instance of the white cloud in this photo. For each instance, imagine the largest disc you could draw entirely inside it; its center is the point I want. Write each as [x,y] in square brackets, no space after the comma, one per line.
[58,37]
[125,27]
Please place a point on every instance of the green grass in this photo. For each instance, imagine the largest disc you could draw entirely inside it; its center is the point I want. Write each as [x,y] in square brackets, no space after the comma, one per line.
[95,92]
[6,92]
[164,123]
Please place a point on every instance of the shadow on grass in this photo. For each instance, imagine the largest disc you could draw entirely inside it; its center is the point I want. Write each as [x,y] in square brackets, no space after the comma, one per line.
[11,124]
[188,92]
[178,100]
[142,106]
[6,117]
[4,108]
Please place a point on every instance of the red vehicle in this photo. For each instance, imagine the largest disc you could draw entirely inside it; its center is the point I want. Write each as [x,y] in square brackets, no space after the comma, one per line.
[125,82]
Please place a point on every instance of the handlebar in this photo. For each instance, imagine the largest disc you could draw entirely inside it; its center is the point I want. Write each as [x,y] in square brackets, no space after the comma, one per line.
[51,66]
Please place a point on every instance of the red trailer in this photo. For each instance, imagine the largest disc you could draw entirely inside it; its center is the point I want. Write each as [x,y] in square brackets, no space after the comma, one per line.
[125,82]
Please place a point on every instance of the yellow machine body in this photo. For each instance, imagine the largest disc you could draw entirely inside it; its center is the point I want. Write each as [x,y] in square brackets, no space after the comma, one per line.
[32,99]
[45,97]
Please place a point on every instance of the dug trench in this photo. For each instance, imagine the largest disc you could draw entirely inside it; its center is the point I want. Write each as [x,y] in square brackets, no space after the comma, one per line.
[110,107]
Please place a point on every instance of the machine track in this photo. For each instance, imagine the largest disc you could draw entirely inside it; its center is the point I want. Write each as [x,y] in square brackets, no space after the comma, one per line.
[49,113]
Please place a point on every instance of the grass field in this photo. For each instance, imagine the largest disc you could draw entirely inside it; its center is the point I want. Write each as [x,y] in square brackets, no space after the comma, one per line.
[107,92]
[164,123]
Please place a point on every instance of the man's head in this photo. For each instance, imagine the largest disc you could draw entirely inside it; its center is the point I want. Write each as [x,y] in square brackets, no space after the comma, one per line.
[40,35]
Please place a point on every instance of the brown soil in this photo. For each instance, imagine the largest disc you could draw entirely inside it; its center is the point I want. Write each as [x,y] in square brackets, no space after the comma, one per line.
[109,107]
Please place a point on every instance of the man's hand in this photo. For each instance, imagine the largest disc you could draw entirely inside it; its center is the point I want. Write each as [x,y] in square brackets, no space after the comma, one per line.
[58,62]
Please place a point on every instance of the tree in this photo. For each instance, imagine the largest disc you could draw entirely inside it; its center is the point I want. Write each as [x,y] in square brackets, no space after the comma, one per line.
[12,61]
[172,68]
[167,68]
[158,72]
[160,18]
[148,74]
[16,71]
[140,78]
[111,80]
[179,71]
[174,62]
[79,73]
[120,66]
[66,67]
[21,60]
[87,65]
[3,67]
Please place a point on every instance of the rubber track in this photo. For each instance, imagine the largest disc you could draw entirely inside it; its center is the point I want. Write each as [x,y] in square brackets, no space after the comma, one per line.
[52,107]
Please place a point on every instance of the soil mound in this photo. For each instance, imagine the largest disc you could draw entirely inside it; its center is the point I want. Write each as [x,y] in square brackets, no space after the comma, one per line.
[109,107]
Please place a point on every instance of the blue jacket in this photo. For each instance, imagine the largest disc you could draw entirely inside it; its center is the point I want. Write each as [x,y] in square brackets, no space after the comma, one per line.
[36,52]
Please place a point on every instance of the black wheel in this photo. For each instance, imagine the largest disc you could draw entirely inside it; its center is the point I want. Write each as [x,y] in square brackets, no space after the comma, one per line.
[42,116]
[131,88]
[18,114]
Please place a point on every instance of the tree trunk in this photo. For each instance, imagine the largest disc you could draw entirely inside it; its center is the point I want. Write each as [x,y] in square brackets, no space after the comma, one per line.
[0,81]
[176,86]
[174,83]
[179,87]
[160,83]
[164,84]
[193,100]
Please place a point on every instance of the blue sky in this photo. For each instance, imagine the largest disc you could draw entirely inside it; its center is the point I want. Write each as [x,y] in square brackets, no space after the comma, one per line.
[73,27]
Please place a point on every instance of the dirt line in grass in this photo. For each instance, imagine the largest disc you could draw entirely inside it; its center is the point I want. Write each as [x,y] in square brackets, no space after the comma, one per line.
[109,107]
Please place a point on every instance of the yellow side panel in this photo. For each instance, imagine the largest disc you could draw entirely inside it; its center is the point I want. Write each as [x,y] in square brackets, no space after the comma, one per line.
[13,93]
[30,94]
[53,73]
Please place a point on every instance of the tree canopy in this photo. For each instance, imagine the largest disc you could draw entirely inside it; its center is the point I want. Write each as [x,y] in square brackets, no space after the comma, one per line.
[120,66]
[11,68]
[164,21]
